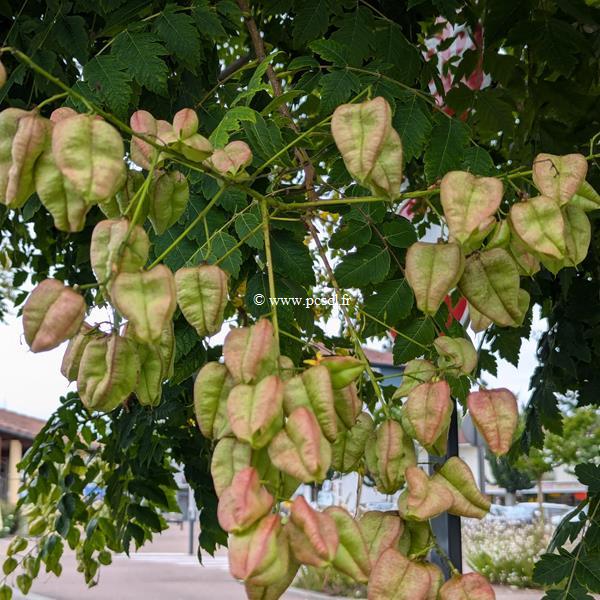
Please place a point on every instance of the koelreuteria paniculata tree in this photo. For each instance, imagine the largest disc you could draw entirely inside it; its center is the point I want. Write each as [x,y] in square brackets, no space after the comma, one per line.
[172,163]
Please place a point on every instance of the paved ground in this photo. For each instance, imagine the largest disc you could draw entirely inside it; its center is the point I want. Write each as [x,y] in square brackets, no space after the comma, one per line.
[164,571]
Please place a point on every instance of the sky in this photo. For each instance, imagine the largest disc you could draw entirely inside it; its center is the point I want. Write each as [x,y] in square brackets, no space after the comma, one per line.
[32,383]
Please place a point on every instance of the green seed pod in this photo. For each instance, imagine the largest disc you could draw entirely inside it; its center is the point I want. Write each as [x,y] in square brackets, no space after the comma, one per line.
[112,252]
[348,406]
[496,415]
[260,555]
[343,370]
[416,539]
[277,589]
[72,357]
[479,322]
[168,198]
[147,299]
[424,498]
[472,586]
[211,389]
[394,577]
[380,530]
[141,152]
[437,580]
[229,457]
[278,483]
[185,123]
[255,412]
[251,353]
[108,372]
[457,355]
[313,389]
[527,263]
[286,368]
[352,556]
[349,447]
[500,237]
[120,204]
[559,177]
[389,450]
[52,314]
[202,297]
[426,415]
[313,535]
[89,153]
[195,148]
[28,143]
[301,450]
[432,271]
[456,476]
[244,502]
[231,159]
[9,123]
[415,372]
[586,198]
[61,113]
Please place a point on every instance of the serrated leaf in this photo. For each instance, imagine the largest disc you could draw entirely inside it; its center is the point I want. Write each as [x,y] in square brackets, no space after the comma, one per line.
[356,33]
[412,122]
[292,258]
[108,78]
[207,21]
[478,161]
[264,138]
[249,224]
[589,474]
[176,29]
[399,233]
[391,46]
[552,568]
[369,264]
[229,123]
[222,244]
[336,88]
[351,233]
[331,51]
[72,32]
[391,303]
[141,53]
[587,571]
[412,340]
[446,148]
[311,20]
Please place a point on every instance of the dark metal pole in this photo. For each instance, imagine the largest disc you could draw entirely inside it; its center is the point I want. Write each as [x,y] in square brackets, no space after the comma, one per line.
[446,527]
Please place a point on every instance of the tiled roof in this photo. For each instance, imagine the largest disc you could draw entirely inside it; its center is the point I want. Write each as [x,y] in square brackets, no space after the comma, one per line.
[19,425]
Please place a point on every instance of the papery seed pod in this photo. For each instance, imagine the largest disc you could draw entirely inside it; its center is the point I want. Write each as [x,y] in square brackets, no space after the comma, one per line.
[479,322]
[277,482]
[185,123]
[389,450]
[72,357]
[301,449]
[457,477]
[472,586]
[490,283]
[147,299]
[202,297]
[141,152]
[251,353]
[348,405]
[496,415]
[124,197]
[349,447]
[343,369]
[457,355]
[426,415]
[469,203]
[260,555]
[539,224]
[370,147]
[112,252]
[195,148]
[61,113]
[380,530]
[277,589]
[352,556]
[286,368]
[415,372]
[67,207]
[211,390]
[500,237]
[9,123]
[244,502]
[313,535]
[559,177]
[168,197]
[416,539]
[166,344]
[89,153]
[424,498]
[28,143]
[586,198]
[2,75]
[313,389]
[432,271]
[231,159]
[229,457]
[437,580]
[256,412]
[108,372]
[527,263]
[394,577]
[52,314]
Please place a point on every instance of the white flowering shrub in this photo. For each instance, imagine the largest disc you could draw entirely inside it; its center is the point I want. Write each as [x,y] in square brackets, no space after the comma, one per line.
[503,551]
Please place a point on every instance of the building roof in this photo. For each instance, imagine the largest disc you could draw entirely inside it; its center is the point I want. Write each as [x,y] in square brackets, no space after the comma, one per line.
[19,425]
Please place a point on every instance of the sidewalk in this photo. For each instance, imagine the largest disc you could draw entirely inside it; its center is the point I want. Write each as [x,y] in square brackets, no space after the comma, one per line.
[164,571]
